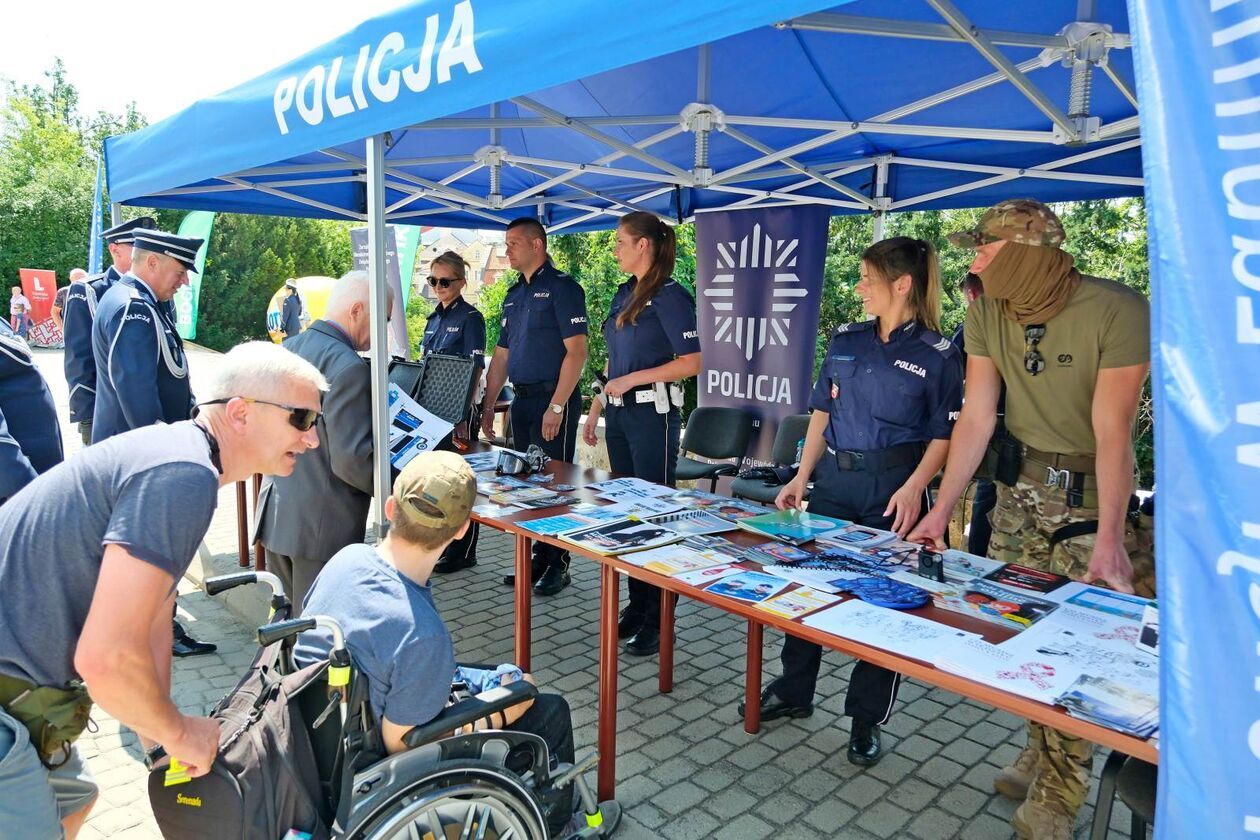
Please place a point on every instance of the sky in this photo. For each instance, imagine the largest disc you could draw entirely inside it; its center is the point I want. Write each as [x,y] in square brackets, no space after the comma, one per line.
[165,56]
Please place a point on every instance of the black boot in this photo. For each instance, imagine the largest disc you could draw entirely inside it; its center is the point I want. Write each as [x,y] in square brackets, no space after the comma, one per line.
[772,708]
[864,744]
[184,645]
[553,580]
[647,641]
[629,623]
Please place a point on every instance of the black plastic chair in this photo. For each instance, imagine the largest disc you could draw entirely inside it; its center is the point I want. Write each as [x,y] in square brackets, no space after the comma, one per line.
[1134,781]
[791,431]
[713,433]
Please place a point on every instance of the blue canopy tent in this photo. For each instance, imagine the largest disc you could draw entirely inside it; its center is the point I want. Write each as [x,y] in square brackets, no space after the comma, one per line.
[472,113]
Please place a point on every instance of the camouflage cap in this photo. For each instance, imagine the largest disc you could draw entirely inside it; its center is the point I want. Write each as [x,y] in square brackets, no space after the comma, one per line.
[1023,220]
[436,489]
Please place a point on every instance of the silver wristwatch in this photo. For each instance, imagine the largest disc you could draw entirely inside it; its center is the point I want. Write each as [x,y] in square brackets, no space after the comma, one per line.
[556,408]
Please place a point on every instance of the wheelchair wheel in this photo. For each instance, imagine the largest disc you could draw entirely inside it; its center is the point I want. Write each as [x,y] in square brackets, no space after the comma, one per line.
[460,800]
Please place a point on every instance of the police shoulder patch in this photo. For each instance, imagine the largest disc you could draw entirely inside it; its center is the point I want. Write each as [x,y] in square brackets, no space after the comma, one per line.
[938,342]
[856,326]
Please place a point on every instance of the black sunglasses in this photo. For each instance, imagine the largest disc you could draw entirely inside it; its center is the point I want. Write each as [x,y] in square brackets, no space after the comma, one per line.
[1034,362]
[444,282]
[299,418]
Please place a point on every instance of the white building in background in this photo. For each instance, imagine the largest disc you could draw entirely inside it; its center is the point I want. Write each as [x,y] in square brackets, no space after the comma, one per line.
[483,250]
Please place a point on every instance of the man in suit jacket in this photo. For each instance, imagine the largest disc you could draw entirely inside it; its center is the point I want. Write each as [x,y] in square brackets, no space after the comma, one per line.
[307,517]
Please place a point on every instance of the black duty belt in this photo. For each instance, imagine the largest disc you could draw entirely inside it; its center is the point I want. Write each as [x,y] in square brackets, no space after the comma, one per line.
[536,389]
[877,460]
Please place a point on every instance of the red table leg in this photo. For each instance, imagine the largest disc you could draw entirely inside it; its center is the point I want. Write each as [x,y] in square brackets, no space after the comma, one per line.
[752,679]
[607,778]
[524,619]
[666,677]
[260,559]
[242,526]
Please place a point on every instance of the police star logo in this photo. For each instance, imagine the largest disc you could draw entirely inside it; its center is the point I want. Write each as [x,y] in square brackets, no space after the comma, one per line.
[757,250]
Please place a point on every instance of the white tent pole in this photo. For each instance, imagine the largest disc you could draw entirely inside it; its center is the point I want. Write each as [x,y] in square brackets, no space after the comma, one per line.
[379,314]
[881,198]
[115,214]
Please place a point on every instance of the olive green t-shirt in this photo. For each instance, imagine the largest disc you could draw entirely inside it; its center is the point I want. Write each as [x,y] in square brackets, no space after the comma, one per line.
[1104,325]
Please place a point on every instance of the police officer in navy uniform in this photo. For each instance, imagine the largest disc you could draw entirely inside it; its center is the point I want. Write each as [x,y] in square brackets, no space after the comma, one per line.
[142,372]
[455,328]
[652,341]
[80,310]
[883,409]
[542,349]
[30,436]
[291,310]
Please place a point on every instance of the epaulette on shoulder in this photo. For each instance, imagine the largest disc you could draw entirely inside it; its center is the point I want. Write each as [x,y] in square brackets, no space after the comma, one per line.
[856,326]
[938,342]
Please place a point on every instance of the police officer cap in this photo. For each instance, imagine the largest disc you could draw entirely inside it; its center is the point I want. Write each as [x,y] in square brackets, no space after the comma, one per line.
[182,249]
[124,234]
[1023,220]
[436,489]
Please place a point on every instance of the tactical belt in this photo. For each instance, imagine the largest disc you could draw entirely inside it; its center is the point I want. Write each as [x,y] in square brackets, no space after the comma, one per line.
[877,460]
[1073,474]
[536,389]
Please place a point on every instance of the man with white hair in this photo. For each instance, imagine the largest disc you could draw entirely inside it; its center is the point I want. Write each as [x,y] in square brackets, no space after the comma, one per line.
[306,518]
[122,520]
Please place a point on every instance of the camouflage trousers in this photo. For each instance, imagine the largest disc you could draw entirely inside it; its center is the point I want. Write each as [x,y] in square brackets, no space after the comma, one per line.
[1024,521]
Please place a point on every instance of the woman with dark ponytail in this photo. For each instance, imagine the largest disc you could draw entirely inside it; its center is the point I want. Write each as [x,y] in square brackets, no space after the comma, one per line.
[651,336]
[883,408]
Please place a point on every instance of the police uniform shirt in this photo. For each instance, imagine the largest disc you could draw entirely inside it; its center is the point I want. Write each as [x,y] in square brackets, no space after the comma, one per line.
[30,437]
[80,363]
[143,373]
[908,390]
[665,328]
[456,330]
[537,317]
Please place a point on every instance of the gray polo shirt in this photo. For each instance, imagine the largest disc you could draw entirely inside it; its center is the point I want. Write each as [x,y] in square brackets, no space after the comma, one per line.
[152,490]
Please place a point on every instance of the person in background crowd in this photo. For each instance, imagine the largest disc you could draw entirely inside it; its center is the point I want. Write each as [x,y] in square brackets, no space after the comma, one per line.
[455,327]
[291,310]
[140,361]
[542,350]
[883,408]
[652,342]
[121,521]
[79,314]
[30,437]
[19,312]
[1072,352]
[59,300]
[305,518]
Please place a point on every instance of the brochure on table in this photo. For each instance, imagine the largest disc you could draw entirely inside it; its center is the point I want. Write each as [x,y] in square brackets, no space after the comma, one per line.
[412,429]
[791,526]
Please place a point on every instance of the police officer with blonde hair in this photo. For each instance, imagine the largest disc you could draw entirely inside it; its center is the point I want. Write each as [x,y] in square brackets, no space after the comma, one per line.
[1073,352]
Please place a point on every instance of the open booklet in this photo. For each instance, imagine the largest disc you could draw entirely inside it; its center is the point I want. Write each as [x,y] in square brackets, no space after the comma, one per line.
[791,526]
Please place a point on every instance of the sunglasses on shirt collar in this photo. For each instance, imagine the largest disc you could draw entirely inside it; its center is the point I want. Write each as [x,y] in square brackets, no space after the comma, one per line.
[1034,362]
[299,418]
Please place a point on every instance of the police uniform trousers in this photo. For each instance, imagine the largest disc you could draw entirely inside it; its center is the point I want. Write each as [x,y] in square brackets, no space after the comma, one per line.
[1024,521]
[859,496]
[529,408]
[643,443]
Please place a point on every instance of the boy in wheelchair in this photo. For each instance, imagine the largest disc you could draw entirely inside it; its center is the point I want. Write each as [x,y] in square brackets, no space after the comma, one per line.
[381,599]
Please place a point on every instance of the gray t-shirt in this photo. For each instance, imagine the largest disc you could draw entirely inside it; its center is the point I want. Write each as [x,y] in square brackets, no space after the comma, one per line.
[151,490]
[392,627]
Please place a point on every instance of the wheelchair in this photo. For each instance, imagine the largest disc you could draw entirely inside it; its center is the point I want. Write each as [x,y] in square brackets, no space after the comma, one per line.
[483,785]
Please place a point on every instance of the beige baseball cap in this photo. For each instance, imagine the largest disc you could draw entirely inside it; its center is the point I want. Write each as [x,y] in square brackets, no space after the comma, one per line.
[1023,220]
[436,489]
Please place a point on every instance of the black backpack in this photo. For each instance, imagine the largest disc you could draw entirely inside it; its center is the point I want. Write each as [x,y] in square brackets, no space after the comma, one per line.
[265,780]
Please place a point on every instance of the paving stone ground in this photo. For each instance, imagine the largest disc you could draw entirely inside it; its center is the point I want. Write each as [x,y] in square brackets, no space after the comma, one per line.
[686,768]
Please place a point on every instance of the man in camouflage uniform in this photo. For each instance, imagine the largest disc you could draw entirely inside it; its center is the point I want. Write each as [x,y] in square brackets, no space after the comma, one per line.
[1073,352]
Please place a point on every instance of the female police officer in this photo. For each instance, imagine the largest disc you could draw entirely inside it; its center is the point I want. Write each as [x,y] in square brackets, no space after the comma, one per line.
[651,336]
[455,328]
[882,410]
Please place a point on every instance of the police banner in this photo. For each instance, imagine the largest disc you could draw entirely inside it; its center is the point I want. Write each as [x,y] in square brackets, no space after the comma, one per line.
[759,277]
[1198,75]
[399,344]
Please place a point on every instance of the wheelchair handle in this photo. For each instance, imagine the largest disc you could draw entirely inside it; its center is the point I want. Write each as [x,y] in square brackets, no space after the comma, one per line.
[269,634]
[222,583]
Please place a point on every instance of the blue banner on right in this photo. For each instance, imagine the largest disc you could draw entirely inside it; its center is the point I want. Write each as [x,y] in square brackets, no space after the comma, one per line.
[1198,66]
